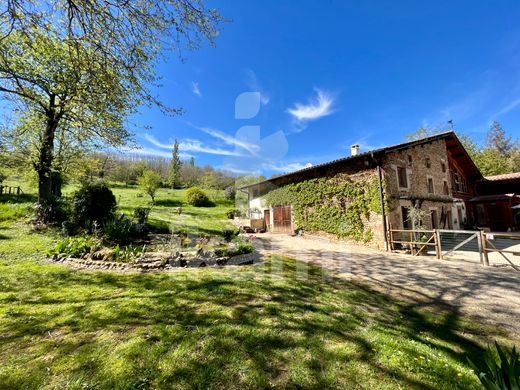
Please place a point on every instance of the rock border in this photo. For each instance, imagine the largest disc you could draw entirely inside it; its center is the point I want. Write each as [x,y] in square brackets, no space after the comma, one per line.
[159,265]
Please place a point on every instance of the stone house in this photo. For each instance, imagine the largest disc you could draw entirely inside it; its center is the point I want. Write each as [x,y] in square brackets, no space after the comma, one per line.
[344,197]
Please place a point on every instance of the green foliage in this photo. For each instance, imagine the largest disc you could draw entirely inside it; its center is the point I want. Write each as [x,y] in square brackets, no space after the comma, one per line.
[123,231]
[93,202]
[334,205]
[75,246]
[141,214]
[126,254]
[230,214]
[198,198]
[243,246]
[502,375]
[149,182]
[228,234]
[230,193]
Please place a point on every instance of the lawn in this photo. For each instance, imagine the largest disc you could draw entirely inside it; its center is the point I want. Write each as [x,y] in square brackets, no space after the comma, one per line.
[247,327]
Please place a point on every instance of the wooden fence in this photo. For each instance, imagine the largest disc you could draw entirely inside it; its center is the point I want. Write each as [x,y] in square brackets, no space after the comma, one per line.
[8,190]
[445,243]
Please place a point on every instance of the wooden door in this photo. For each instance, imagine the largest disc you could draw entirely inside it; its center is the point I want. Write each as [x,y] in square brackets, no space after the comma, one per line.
[282,222]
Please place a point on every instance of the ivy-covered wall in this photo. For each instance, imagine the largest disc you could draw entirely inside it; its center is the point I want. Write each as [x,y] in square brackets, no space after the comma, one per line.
[344,205]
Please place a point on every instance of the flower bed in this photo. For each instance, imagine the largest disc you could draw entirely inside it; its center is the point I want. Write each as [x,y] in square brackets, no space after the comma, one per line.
[178,251]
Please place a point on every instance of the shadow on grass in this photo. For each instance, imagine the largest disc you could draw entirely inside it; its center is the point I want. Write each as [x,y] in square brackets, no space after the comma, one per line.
[168,203]
[258,327]
[23,198]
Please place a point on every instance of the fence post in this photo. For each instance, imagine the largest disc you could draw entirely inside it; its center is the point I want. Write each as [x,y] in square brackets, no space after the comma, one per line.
[437,240]
[480,248]
[484,248]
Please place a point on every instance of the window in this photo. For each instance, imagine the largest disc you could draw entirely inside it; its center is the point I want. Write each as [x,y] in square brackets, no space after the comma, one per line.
[445,188]
[407,224]
[443,167]
[409,158]
[402,177]
[430,186]
[434,220]
[428,162]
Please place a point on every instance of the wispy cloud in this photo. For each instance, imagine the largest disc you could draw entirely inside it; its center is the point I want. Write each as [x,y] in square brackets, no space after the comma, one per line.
[141,151]
[287,167]
[254,85]
[317,107]
[195,88]
[191,145]
[228,139]
[510,107]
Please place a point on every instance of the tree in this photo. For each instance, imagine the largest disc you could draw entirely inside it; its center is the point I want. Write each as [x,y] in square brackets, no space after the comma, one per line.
[175,167]
[149,182]
[497,139]
[87,65]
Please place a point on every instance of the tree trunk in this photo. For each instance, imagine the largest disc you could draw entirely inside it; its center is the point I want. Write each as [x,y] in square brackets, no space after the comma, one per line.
[44,165]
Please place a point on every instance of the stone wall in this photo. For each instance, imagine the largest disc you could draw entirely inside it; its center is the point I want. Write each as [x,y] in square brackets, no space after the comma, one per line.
[422,162]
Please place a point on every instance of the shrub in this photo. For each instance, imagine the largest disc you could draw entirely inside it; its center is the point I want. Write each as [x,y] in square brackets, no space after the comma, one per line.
[126,254]
[54,210]
[121,230]
[230,193]
[228,234]
[141,214]
[503,375]
[230,214]
[243,246]
[198,198]
[93,202]
[75,246]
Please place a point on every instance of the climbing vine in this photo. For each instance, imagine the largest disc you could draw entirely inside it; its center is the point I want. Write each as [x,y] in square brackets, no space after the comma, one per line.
[340,205]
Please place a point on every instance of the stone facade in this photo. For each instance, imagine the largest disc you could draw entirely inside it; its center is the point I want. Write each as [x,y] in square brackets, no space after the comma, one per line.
[428,184]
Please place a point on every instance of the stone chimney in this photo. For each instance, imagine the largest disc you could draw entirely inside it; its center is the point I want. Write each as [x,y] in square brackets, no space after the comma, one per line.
[354,150]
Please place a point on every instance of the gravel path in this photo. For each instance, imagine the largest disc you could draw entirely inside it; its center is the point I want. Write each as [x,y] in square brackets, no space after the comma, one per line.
[489,294]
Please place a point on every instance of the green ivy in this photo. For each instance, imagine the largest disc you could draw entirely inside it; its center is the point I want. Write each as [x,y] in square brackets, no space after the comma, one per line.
[334,205]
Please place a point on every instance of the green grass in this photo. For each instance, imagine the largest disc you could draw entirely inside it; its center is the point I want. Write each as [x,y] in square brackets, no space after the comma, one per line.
[225,328]
[196,220]
[248,327]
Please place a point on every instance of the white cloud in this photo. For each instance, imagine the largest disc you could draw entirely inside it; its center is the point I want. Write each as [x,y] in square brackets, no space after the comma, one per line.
[153,152]
[231,140]
[317,107]
[195,89]
[287,167]
[254,85]
[191,145]
[510,107]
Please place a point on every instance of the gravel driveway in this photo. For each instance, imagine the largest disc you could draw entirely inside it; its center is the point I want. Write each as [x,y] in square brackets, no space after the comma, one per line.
[489,294]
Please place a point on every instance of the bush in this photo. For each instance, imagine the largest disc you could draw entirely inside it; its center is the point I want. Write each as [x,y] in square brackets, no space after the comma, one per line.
[75,246]
[503,375]
[93,202]
[230,214]
[54,210]
[121,230]
[243,246]
[141,215]
[228,234]
[198,198]
[230,193]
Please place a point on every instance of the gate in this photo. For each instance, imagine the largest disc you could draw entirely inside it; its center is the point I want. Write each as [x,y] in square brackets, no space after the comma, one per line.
[462,244]
[503,248]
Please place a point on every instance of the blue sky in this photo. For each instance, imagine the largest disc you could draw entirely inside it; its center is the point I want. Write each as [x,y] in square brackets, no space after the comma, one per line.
[332,73]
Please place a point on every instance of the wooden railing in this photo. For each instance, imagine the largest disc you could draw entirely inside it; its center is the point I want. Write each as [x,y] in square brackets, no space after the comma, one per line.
[11,190]
[449,242]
